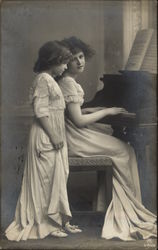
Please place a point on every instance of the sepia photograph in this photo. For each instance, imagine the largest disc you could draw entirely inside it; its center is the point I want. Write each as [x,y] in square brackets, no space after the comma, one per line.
[78,117]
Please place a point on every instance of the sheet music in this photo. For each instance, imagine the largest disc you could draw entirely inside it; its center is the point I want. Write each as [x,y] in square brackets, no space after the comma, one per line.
[139,48]
[150,59]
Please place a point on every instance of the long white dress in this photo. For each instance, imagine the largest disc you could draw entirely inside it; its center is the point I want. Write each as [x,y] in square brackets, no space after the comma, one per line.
[43,201]
[126,218]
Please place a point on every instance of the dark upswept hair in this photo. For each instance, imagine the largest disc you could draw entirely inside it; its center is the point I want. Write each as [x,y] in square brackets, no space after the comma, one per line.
[75,45]
[51,53]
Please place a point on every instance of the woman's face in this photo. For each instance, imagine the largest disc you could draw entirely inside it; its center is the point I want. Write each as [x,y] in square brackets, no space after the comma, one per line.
[77,64]
[58,70]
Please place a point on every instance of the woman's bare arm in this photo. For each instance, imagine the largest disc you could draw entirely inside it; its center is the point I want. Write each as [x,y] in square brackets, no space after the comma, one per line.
[91,110]
[81,120]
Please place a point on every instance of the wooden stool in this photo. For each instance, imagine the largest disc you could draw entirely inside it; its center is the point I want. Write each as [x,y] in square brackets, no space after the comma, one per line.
[103,166]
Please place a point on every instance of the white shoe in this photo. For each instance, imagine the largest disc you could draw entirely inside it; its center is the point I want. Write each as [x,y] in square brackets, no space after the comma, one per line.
[59,233]
[72,228]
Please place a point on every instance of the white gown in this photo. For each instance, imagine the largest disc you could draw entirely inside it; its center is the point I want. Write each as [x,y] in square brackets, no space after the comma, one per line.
[43,201]
[126,218]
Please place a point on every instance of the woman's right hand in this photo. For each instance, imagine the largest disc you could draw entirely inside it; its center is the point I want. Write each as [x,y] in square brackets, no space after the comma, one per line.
[116,111]
[57,142]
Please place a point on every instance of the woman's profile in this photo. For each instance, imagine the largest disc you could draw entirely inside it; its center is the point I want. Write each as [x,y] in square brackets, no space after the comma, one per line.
[126,218]
[43,208]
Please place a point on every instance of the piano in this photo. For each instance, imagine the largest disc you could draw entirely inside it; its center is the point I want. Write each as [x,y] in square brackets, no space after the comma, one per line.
[136,92]
[133,90]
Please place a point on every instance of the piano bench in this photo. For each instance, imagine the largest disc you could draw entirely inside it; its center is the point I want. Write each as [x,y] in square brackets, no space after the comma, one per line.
[103,166]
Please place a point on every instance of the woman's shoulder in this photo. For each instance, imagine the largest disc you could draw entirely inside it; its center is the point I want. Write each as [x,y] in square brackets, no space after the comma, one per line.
[69,83]
[67,80]
[44,85]
[44,77]
[72,91]
[44,80]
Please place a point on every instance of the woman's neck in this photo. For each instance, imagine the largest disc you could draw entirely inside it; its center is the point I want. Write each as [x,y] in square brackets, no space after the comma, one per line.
[74,76]
[49,72]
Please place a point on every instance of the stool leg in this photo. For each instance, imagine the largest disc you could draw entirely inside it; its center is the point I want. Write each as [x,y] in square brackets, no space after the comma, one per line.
[94,204]
[101,202]
[104,194]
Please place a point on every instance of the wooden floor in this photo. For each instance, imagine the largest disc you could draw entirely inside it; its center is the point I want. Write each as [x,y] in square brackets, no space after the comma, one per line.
[89,239]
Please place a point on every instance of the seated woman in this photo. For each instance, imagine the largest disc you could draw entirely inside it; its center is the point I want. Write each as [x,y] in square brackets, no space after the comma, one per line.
[126,218]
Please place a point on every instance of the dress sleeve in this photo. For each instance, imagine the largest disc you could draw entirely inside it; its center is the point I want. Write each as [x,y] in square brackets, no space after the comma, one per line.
[41,98]
[69,90]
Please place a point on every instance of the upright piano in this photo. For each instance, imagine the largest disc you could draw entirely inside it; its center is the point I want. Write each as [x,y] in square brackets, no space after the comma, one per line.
[133,90]
[136,92]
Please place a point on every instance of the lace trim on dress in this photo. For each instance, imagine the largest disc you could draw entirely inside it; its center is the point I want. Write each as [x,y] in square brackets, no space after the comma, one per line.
[42,87]
[74,98]
[54,92]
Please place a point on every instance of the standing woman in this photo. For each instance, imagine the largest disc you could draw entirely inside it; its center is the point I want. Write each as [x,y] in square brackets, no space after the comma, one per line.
[43,205]
[126,218]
